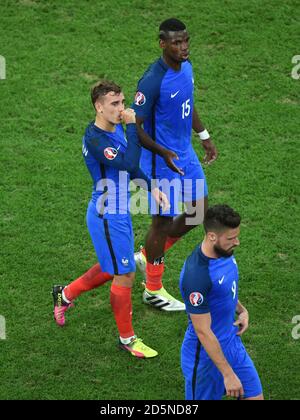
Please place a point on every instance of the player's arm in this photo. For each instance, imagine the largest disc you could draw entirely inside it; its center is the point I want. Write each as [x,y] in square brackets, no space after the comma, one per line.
[202,326]
[147,94]
[148,143]
[211,152]
[143,181]
[101,149]
[243,318]
[146,140]
[196,286]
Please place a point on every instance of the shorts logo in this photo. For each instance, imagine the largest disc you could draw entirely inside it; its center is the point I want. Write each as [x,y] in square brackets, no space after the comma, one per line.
[110,153]
[125,262]
[196,299]
[140,99]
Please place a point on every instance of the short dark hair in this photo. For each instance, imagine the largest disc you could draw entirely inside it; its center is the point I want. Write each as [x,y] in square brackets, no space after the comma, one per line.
[221,217]
[102,88]
[168,25]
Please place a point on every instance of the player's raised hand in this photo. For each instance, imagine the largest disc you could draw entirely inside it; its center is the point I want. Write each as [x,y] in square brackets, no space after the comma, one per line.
[161,199]
[233,386]
[211,152]
[128,116]
[169,158]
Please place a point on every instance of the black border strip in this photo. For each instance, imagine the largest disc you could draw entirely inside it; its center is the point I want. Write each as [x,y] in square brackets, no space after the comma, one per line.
[197,360]
[109,243]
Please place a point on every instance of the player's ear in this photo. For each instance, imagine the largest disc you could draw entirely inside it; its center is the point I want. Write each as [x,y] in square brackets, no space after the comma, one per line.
[162,44]
[212,236]
[98,106]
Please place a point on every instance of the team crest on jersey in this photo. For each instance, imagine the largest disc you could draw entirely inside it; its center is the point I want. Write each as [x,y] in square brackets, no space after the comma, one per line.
[140,99]
[110,153]
[125,262]
[196,299]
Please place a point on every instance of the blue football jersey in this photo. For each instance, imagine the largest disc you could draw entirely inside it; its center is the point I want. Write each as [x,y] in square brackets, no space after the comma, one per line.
[210,285]
[164,99]
[112,161]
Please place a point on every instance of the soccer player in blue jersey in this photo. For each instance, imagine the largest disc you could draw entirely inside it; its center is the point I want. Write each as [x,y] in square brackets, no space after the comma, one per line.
[213,358]
[166,115]
[112,160]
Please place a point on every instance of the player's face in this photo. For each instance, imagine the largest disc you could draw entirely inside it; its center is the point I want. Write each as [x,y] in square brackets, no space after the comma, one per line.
[176,46]
[111,107]
[226,242]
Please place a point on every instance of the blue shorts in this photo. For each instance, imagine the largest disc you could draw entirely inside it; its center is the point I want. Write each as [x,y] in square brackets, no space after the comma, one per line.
[203,380]
[113,241]
[185,189]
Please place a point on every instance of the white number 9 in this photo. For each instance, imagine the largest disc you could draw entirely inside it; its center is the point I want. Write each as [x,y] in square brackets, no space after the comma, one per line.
[233,289]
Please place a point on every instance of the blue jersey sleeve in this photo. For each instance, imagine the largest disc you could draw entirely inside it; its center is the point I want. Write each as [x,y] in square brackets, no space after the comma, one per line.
[101,148]
[195,285]
[140,175]
[148,90]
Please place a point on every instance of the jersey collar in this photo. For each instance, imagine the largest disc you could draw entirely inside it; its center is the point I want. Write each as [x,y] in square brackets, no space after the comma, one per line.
[203,255]
[163,64]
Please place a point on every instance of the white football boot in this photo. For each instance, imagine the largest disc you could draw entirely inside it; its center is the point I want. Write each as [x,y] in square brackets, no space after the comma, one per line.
[141,262]
[162,300]
[159,299]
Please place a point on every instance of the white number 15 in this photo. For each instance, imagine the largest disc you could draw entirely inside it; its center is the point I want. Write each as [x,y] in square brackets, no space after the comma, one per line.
[186,109]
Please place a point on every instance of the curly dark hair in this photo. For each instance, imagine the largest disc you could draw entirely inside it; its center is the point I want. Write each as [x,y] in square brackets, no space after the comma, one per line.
[221,217]
[168,25]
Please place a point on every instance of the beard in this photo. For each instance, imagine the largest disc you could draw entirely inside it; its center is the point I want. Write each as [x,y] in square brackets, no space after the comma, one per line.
[222,252]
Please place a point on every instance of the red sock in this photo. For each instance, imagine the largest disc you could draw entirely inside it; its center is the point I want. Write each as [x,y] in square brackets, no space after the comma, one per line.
[154,276]
[93,278]
[120,299]
[169,243]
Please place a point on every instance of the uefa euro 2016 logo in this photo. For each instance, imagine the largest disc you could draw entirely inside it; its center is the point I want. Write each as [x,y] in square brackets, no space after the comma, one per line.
[2,328]
[2,68]
[196,298]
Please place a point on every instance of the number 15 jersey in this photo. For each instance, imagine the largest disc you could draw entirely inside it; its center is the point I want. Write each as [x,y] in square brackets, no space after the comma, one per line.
[164,99]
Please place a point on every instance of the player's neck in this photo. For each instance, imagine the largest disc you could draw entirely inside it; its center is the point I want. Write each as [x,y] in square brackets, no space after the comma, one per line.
[208,250]
[105,125]
[175,65]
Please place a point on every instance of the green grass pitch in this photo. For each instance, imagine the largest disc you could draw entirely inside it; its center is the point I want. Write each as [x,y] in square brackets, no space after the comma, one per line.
[54,51]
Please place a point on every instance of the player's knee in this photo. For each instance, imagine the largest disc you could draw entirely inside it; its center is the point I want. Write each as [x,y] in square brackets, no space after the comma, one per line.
[130,276]
[126,280]
[162,224]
